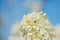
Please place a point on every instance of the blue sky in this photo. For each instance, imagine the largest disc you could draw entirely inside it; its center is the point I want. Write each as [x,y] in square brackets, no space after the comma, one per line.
[13,10]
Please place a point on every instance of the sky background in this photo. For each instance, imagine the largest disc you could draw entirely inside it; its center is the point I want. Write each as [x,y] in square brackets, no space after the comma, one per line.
[13,11]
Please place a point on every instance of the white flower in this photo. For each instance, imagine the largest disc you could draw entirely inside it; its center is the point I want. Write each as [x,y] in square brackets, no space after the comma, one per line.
[36,26]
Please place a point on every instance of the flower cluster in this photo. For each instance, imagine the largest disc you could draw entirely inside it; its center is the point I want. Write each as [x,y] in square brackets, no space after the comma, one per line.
[36,26]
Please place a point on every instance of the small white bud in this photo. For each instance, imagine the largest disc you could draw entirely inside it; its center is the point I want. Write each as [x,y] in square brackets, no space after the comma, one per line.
[44,14]
[41,11]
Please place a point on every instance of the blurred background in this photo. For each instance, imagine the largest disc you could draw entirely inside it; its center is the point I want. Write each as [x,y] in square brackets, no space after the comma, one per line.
[12,11]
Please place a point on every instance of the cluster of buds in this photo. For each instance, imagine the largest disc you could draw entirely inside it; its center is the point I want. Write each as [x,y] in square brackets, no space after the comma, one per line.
[35,26]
